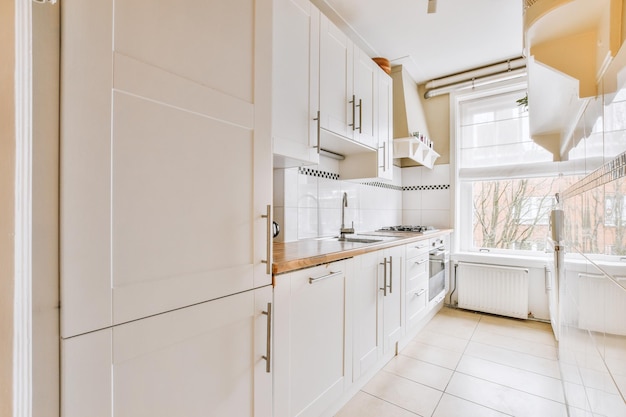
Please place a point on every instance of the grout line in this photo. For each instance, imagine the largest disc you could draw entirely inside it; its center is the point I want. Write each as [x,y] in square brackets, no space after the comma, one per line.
[389,402]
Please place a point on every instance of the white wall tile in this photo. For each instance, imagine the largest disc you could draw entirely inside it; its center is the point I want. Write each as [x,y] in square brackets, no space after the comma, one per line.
[412,176]
[289,225]
[330,222]
[307,223]
[307,191]
[291,187]
[438,218]
[412,200]
[413,217]
[439,175]
[279,187]
[435,200]
[329,193]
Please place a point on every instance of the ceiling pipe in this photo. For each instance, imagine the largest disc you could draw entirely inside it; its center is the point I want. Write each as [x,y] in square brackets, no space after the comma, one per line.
[476,82]
[475,74]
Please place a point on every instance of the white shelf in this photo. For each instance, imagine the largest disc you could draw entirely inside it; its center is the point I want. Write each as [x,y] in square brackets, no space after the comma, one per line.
[415,150]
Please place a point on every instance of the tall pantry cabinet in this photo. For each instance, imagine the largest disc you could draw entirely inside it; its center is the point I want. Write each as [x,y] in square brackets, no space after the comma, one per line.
[165,191]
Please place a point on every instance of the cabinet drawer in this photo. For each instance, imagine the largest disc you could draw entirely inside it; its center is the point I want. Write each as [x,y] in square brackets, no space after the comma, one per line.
[416,300]
[416,266]
[416,249]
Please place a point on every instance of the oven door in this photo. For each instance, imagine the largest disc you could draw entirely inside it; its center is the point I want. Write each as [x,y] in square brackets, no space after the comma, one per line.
[437,273]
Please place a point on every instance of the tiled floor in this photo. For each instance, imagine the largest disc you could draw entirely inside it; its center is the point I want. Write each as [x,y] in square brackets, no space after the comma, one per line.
[470,365]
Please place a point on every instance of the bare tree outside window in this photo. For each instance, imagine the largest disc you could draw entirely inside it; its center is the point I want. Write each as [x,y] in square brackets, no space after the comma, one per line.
[513,214]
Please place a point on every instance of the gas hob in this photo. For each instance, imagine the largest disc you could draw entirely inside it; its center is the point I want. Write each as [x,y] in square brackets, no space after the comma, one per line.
[409,229]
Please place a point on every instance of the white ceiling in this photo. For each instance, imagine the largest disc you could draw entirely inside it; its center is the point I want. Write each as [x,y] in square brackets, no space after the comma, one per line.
[461,35]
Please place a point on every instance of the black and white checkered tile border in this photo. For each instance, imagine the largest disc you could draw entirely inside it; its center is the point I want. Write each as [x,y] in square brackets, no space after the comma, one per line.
[426,187]
[332,176]
[317,173]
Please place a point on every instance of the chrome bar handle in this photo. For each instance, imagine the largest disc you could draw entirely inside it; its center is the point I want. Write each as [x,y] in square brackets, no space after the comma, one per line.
[268,262]
[384,288]
[360,115]
[323,277]
[423,261]
[319,125]
[353,102]
[420,292]
[390,275]
[268,346]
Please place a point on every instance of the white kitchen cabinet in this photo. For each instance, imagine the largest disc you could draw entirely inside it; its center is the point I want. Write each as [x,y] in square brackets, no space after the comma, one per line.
[385,125]
[337,105]
[367,318]
[366,75]
[393,317]
[311,333]
[295,93]
[377,299]
[416,277]
[203,360]
[165,156]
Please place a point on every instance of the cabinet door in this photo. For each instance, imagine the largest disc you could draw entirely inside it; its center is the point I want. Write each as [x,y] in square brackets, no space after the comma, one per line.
[296,90]
[165,156]
[385,125]
[365,92]
[392,302]
[310,326]
[416,276]
[367,317]
[337,107]
[204,360]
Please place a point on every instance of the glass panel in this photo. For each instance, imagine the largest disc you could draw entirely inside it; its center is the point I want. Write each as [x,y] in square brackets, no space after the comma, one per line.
[519,153]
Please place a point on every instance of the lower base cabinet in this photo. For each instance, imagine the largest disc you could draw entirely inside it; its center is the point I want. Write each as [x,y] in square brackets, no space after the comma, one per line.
[203,360]
[310,335]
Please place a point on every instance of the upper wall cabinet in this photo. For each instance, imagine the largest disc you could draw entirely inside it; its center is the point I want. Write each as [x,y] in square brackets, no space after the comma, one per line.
[295,94]
[328,96]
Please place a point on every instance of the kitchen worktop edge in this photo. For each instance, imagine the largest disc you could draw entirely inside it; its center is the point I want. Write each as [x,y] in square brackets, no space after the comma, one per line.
[301,254]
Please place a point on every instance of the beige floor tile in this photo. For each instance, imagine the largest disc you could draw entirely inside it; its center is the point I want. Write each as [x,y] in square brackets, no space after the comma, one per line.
[512,328]
[432,354]
[453,326]
[520,360]
[606,404]
[365,405]
[441,340]
[451,406]
[423,372]
[515,344]
[529,382]
[504,399]
[404,393]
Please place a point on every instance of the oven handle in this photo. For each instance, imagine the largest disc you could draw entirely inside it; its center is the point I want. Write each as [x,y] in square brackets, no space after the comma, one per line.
[437,253]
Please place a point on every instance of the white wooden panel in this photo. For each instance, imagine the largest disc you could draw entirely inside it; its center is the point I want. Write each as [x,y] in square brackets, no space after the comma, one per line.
[336,79]
[365,90]
[208,42]
[153,83]
[86,375]
[296,75]
[367,345]
[392,304]
[85,166]
[385,125]
[197,361]
[310,368]
[182,220]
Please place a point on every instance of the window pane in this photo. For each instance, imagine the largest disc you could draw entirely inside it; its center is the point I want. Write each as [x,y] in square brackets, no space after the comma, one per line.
[518,153]
[513,214]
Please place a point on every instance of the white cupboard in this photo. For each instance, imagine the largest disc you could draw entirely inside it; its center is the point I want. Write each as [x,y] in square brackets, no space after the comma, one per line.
[202,360]
[378,319]
[155,214]
[391,278]
[295,94]
[166,167]
[385,126]
[416,276]
[311,339]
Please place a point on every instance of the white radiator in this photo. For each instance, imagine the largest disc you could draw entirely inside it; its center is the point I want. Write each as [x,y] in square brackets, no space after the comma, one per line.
[601,304]
[501,290]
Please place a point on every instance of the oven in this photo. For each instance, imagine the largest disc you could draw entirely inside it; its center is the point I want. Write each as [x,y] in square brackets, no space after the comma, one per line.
[439,260]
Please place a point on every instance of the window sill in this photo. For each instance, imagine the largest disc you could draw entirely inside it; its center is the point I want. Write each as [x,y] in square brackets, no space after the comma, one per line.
[532,261]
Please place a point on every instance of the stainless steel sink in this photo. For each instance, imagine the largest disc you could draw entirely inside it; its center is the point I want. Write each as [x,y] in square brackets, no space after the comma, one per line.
[354,239]
[359,240]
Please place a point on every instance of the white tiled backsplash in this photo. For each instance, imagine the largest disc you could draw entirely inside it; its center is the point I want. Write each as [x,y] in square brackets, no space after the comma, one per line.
[307,201]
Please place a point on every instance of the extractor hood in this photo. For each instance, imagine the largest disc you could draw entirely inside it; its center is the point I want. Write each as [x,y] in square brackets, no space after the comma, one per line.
[409,120]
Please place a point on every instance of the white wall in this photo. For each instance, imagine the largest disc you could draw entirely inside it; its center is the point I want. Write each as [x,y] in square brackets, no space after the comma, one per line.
[307,200]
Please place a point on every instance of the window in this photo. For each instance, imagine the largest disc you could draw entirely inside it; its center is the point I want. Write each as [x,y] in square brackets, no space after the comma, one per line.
[506,181]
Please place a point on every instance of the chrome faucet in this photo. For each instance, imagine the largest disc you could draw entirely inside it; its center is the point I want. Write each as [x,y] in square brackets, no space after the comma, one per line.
[343,231]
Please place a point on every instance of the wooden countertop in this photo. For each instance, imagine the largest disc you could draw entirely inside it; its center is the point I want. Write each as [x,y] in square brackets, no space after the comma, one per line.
[292,256]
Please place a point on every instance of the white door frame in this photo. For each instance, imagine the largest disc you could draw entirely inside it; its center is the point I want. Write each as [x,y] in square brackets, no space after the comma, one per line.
[22,299]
